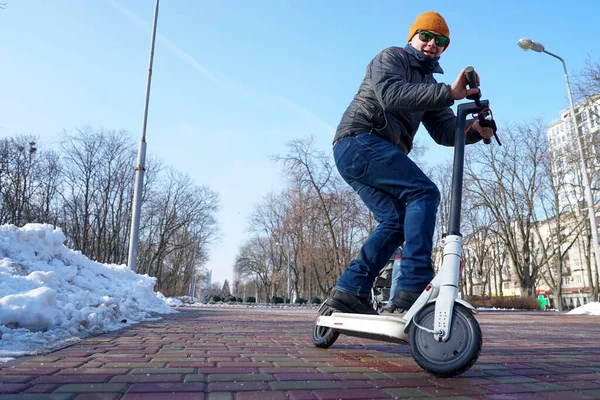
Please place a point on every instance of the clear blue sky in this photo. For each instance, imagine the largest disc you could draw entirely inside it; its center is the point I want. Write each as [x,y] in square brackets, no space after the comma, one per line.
[234,81]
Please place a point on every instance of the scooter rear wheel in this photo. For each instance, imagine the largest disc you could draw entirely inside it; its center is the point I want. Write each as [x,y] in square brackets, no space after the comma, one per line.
[323,336]
[452,357]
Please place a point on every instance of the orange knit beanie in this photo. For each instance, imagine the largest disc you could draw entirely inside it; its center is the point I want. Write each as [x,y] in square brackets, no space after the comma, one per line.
[429,21]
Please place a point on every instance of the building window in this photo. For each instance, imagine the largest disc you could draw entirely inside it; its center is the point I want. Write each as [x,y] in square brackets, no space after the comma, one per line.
[505,285]
[565,281]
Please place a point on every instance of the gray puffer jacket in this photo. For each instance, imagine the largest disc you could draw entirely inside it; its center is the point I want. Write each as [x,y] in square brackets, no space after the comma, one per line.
[395,97]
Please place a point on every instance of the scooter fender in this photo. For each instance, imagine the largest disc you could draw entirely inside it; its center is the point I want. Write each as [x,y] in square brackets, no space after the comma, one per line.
[321,307]
[467,305]
[460,301]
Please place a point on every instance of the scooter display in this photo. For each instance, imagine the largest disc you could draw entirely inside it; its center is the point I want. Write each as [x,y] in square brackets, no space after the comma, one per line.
[442,333]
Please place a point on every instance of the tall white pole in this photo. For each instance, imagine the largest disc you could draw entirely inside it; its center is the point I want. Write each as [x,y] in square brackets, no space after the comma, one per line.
[288,278]
[584,169]
[288,270]
[141,160]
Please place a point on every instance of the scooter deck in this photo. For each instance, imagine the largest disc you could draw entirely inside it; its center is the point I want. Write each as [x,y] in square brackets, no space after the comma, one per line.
[388,328]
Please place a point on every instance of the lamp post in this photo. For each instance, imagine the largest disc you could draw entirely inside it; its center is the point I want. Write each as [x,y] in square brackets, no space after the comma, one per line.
[527,44]
[141,160]
[288,271]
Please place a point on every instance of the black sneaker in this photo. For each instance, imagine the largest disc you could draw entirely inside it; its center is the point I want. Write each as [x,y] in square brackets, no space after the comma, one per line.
[388,310]
[349,303]
[404,300]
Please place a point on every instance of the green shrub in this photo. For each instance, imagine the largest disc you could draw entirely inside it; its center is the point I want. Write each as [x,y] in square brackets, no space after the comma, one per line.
[315,300]
[230,299]
[520,303]
[300,300]
[277,300]
[250,299]
[215,298]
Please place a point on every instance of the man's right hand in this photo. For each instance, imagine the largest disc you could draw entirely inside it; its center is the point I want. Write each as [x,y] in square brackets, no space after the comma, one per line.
[458,89]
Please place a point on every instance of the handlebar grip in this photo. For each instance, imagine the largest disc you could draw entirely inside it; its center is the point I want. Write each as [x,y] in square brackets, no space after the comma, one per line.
[487,141]
[471,77]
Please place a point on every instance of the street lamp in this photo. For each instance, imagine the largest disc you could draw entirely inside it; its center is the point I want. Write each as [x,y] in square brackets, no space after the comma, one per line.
[527,44]
[141,160]
[288,271]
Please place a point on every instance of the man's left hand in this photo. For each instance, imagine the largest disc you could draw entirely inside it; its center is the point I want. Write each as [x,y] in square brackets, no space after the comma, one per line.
[486,133]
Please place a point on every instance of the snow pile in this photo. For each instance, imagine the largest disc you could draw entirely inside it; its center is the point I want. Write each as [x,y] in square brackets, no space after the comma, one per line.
[588,309]
[172,301]
[51,296]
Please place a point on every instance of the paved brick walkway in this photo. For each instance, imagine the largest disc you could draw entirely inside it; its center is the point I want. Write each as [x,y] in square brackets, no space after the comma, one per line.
[267,354]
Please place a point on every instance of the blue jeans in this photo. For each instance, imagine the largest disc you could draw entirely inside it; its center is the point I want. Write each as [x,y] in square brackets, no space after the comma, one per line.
[398,194]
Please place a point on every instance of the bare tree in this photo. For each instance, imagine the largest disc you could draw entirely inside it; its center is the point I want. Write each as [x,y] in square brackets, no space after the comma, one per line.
[507,181]
[329,220]
[315,170]
[50,182]
[87,190]
[440,174]
[29,180]
[255,259]
[499,256]
[587,90]
[19,179]
[97,191]
[268,223]
[178,217]
[478,223]
[562,227]
[315,226]
[587,85]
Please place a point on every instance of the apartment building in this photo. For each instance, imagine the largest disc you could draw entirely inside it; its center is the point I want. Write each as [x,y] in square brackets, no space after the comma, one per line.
[566,158]
[577,274]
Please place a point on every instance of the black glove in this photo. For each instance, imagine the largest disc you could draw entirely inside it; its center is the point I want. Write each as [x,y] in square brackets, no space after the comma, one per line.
[486,120]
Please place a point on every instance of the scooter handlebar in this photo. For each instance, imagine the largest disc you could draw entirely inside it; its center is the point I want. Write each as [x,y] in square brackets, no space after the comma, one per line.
[471,78]
[472,81]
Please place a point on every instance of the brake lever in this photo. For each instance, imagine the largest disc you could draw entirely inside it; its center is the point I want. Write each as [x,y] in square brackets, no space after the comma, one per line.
[485,117]
[486,121]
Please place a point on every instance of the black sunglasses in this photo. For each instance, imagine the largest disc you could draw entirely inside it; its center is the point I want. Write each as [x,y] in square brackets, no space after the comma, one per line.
[440,40]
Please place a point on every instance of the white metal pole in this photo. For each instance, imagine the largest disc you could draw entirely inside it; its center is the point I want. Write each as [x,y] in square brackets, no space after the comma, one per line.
[584,170]
[288,278]
[141,160]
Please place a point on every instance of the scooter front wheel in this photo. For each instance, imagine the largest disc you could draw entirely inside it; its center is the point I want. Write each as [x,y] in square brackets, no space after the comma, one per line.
[455,355]
[323,336]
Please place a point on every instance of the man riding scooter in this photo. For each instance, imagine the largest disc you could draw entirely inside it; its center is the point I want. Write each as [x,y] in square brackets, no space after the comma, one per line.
[371,147]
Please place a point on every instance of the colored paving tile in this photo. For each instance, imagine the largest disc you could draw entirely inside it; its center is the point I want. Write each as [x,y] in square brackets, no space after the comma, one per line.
[267,354]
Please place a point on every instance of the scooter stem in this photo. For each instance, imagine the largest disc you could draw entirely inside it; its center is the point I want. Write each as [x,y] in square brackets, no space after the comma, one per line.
[459,160]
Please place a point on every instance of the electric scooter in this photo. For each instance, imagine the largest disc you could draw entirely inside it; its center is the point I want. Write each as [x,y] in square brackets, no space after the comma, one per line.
[444,336]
